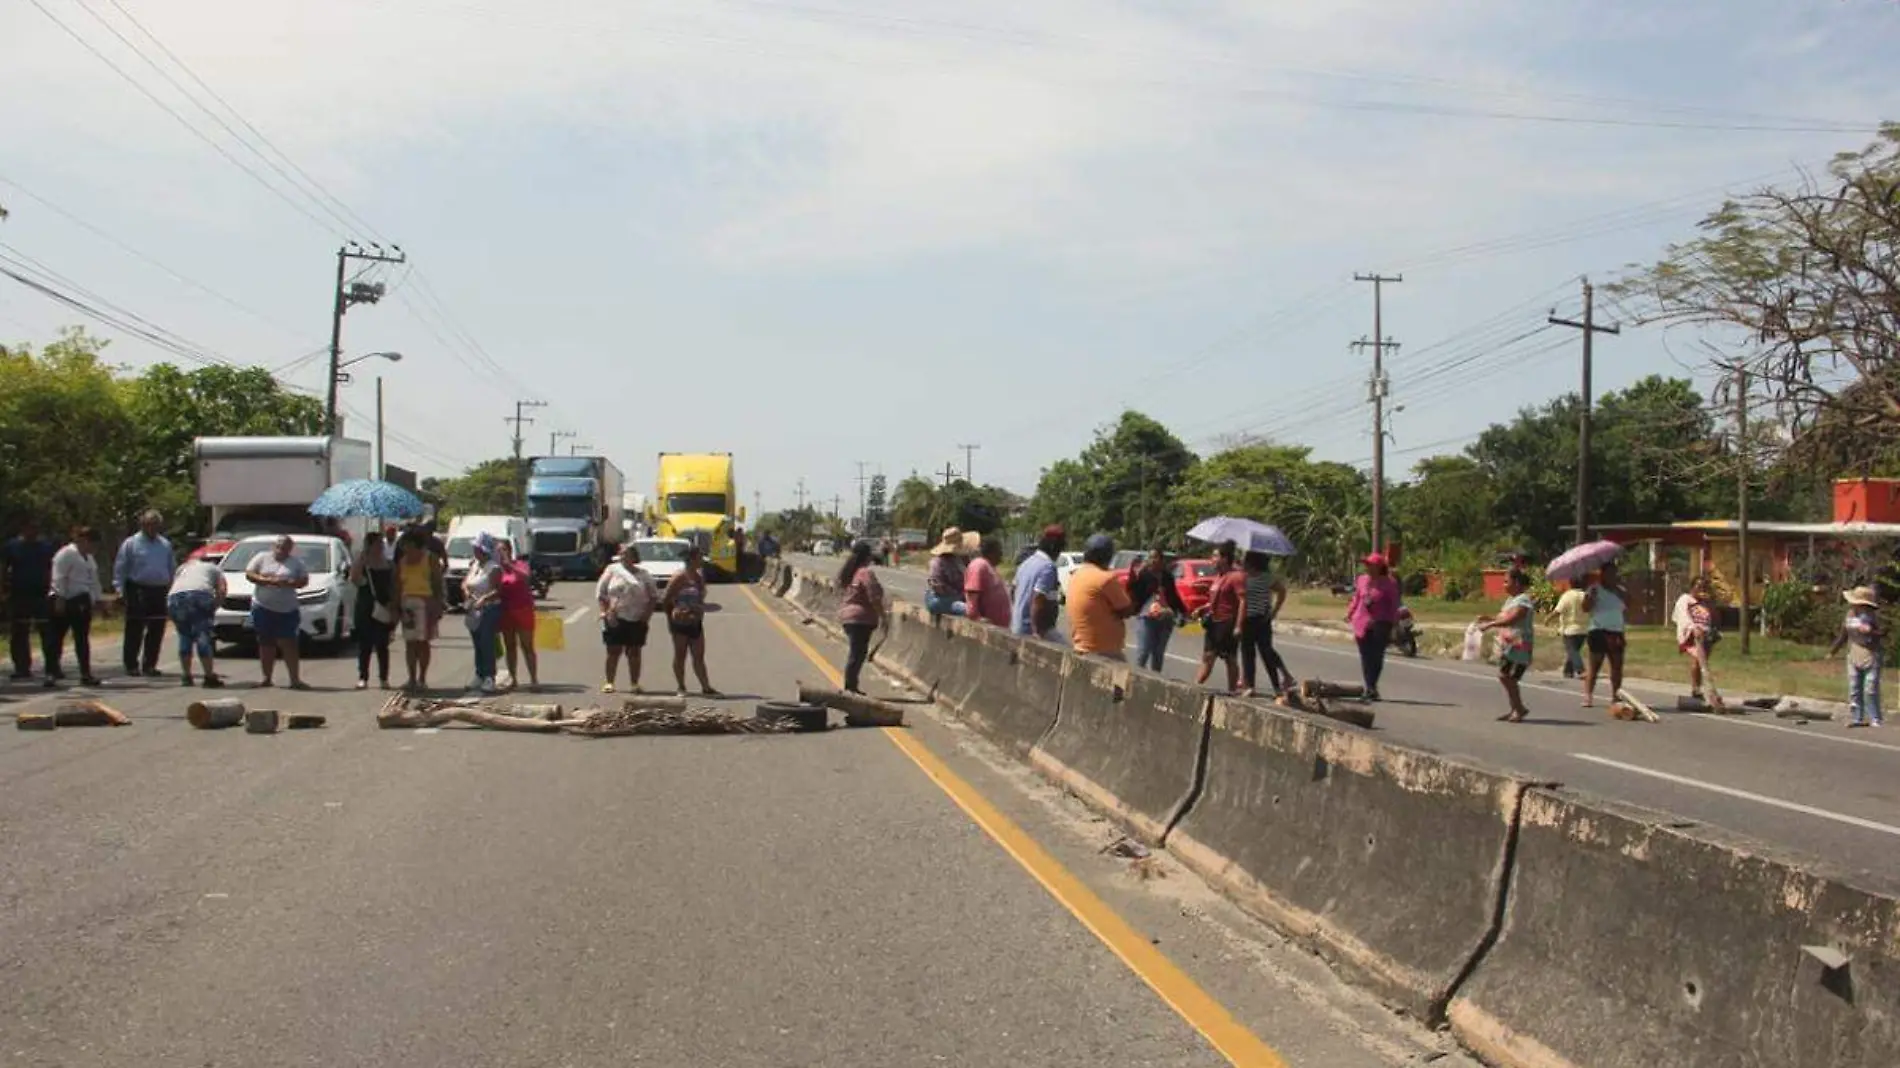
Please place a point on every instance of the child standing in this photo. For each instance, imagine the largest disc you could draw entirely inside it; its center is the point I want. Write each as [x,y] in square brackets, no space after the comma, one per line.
[1862,636]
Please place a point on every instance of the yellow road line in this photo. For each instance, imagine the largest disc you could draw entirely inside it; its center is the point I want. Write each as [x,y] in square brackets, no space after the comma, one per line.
[1182,994]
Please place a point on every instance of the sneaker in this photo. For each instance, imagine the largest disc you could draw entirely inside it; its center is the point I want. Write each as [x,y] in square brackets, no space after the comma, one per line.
[362,684]
[606,687]
[487,686]
[214,682]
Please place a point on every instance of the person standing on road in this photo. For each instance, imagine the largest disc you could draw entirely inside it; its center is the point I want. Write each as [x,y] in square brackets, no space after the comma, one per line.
[517,613]
[374,575]
[1695,631]
[685,606]
[1158,606]
[1220,618]
[481,599]
[1607,601]
[943,595]
[1572,617]
[1265,594]
[28,574]
[142,577]
[1033,612]
[627,595]
[276,617]
[75,589]
[1516,624]
[1373,612]
[415,588]
[1098,602]
[192,604]
[861,611]
[984,593]
[1865,642]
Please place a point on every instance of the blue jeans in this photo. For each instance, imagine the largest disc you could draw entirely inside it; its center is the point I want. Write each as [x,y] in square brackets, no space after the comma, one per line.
[939,605]
[192,612]
[1151,641]
[1863,693]
[484,627]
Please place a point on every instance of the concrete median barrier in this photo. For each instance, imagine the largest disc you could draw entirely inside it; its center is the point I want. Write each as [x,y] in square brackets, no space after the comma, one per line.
[1630,940]
[1016,690]
[1388,860]
[950,660]
[783,580]
[1128,743]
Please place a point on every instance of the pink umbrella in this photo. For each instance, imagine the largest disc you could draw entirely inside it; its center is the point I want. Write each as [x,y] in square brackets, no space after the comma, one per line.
[1580,561]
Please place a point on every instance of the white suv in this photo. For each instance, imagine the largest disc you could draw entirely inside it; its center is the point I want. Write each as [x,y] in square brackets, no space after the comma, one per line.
[327,603]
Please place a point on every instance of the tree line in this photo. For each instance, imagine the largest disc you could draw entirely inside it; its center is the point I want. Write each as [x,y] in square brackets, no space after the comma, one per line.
[85,441]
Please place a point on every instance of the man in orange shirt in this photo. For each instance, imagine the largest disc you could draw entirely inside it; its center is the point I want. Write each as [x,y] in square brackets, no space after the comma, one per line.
[1098,602]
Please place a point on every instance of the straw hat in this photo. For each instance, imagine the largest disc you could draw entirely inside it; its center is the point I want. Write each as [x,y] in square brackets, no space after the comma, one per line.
[1863,596]
[954,540]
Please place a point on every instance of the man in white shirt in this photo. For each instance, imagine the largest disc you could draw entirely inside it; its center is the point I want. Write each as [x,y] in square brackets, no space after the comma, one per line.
[75,591]
[627,596]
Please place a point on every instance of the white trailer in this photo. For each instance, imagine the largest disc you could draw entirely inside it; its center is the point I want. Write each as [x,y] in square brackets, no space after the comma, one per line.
[266,485]
[633,507]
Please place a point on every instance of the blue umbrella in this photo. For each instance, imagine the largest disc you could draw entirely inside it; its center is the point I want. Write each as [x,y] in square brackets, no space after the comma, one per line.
[1249,536]
[367,497]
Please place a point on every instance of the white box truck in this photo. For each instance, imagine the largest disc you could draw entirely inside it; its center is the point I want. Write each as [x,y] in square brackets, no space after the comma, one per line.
[258,485]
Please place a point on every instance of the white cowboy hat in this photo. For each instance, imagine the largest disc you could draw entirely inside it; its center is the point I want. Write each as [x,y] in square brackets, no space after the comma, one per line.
[1862,595]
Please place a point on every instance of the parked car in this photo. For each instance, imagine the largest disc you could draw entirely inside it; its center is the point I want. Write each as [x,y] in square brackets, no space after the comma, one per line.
[823,547]
[1194,581]
[327,603]
[662,557]
[1066,563]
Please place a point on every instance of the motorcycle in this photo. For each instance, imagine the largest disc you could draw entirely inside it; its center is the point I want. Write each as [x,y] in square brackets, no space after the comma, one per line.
[1405,634]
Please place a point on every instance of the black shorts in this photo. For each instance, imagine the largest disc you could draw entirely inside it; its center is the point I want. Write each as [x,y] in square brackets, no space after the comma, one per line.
[1218,637]
[624,634]
[1604,642]
[692,631]
[1510,669]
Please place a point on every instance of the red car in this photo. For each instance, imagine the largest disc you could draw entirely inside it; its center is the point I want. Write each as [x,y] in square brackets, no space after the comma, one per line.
[1194,581]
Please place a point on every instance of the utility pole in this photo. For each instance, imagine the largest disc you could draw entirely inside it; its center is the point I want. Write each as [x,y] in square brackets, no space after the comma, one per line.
[949,472]
[1590,331]
[863,520]
[345,295]
[1741,503]
[519,420]
[837,502]
[554,439]
[382,463]
[801,493]
[576,450]
[969,461]
[1378,385]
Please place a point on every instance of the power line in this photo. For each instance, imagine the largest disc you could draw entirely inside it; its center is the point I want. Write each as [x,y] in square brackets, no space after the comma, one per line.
[102,310]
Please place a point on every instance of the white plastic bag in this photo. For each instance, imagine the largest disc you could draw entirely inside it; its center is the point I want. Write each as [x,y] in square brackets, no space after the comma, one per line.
[1474,642]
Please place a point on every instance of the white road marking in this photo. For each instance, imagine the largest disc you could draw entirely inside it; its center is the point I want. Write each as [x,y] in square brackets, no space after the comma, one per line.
[1816,733]
[575,616]
[428,730]
[216,897]
[1730,791]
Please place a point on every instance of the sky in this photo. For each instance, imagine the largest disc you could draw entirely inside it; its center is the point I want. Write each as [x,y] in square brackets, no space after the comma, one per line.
[819,233]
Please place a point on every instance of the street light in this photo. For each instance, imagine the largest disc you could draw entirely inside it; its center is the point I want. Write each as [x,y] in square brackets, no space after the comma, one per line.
[392,357]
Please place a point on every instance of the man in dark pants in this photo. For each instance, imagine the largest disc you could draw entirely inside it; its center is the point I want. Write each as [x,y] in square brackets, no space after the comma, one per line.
[142,575]
[28,574]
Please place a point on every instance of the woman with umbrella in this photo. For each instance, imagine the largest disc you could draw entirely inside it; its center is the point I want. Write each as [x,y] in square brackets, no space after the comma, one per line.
[1606,601]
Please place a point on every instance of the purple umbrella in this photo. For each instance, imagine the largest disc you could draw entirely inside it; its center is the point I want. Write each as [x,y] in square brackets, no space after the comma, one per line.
[1581,560]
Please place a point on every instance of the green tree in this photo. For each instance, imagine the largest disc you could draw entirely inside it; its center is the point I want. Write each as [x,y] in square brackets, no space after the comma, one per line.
[1450,499]
[877,517]
[1324,507]
[63,430]
[914,505]
[492,487]
[171,408]
[1120,484]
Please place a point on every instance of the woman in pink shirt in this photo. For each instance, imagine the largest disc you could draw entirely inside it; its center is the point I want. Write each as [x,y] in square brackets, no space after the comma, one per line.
[861,610]
[1374,610]
[983,588]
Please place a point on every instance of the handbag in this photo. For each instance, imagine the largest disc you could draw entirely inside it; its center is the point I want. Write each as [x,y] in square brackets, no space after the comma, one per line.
[382,614]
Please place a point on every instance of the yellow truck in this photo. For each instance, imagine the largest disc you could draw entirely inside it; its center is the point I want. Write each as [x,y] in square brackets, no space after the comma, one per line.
[695,500]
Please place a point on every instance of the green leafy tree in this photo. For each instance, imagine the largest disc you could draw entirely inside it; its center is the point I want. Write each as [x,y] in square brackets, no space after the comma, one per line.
[492,487]
[1120,484]
[914,505]
[1450,499]
[1324,507]
[877,515]
[63,429]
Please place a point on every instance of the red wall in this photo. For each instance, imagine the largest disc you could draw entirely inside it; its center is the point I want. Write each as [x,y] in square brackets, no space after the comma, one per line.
[1867,500]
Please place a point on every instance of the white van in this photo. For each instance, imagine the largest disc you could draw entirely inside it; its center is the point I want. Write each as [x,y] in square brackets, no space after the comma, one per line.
[461,542]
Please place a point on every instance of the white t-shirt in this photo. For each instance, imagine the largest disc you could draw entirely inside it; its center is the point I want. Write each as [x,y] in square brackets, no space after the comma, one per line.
[74,574]
[630,593]
[196,576]
[482,579]
[276,598]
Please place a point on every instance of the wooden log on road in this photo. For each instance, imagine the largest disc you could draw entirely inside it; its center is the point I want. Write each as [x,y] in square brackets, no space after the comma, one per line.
[1320,688]
[260,721]
[34,721]
[215,713]
[1303,700]
[859,710]
[654,701]
[303,721]
[82,712]
[540,712]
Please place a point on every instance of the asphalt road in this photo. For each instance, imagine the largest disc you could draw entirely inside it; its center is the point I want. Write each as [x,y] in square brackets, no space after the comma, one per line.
[459,897]
[1816,791]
